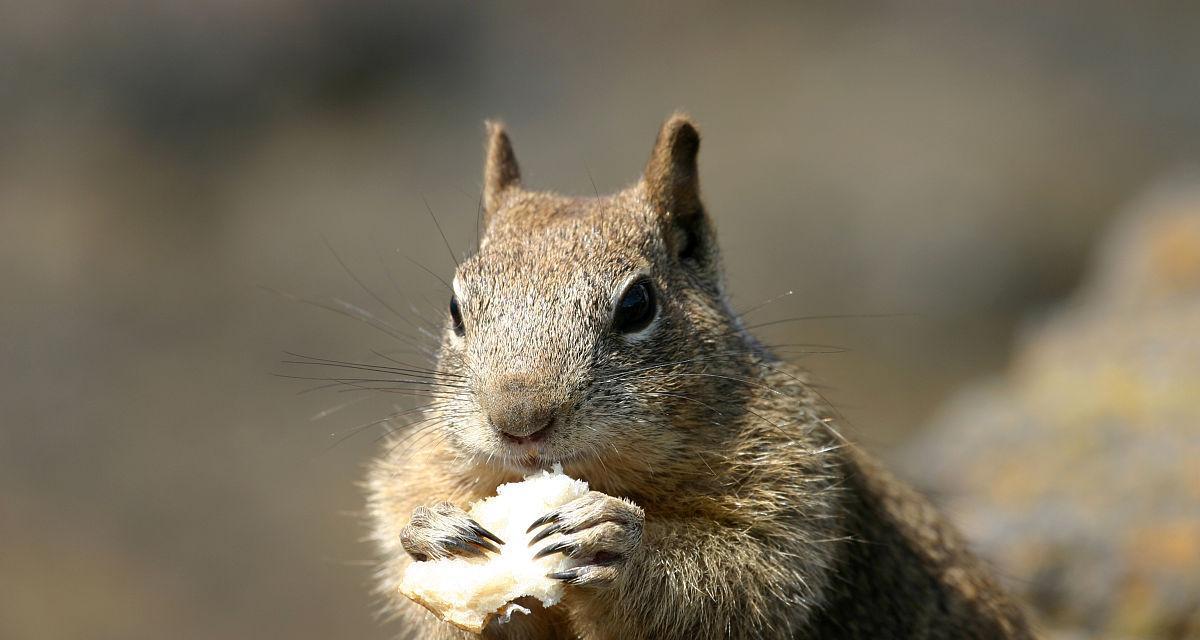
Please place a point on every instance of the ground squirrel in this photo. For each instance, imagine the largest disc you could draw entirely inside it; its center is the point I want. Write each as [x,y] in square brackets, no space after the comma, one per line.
[596,332]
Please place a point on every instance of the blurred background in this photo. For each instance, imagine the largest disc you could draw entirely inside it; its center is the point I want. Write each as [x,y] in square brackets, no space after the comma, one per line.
[164,165]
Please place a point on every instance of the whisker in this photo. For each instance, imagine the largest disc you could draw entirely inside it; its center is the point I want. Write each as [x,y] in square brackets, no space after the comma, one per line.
[433,429]
[405,364]
[355,386]
[406,441]
[429,271]
[317,388]
[662,365]
[433,369]
[431,377]
[440,232]
[687,398]
[768,301]
[479,223]
[836,316]
[353,276]
[752,383]
[424,322]
[355,309]
[369,320]
[411,393]
[591,180]
[404,368]
[325,413]
[431,384]
[429,419]
[360,428]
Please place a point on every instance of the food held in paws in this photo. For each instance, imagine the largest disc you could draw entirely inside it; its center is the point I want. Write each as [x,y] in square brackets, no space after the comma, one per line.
[468,592]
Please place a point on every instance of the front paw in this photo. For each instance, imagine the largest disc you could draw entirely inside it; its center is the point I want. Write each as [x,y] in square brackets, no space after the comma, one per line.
[600,531]
[444,530]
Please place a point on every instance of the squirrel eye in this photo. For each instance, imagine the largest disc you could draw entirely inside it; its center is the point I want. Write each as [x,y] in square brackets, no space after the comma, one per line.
[456,318]
[635,310]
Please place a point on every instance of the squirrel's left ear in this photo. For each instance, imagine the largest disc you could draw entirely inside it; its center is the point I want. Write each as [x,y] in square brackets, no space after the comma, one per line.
[500,171]
[672,183]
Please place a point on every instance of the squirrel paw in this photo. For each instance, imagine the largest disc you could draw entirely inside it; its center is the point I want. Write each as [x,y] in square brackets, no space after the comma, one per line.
[599,530]
[445,530]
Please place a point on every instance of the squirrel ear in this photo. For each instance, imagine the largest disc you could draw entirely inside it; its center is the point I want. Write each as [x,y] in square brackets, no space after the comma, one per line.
[672,183]
[500,171]
[671,178]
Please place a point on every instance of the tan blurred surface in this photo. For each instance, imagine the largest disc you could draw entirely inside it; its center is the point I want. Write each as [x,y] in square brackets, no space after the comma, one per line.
[1076,472]
[159,161]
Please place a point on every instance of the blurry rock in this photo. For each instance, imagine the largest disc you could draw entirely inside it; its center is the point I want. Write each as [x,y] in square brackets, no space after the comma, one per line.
[1078,472]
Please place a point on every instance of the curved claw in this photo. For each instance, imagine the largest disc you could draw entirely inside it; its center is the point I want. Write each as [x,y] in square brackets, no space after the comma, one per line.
[546,519]
[566,575]
[545,533]
[561,546]
[468,550]
[479,530]
[471,536]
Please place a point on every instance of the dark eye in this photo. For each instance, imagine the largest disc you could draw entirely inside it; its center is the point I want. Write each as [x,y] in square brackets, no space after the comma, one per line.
[456,317]
[635,310]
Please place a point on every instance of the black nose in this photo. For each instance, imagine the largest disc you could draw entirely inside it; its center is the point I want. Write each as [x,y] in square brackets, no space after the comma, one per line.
[520,413]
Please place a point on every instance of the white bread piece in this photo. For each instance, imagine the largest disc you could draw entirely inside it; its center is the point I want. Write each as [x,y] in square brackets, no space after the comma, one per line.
[468,592]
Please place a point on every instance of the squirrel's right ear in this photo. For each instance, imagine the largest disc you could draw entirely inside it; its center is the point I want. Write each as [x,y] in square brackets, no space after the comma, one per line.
[500,172]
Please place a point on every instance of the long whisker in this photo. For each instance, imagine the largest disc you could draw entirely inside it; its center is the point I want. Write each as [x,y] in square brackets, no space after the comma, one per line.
[353,276]
[317,388]
[418,374]
[369,320]
[433,429]
[392,416]
[425,325]
[405,364]
[355,385]
[768,301]
[430,272]
[440,232]
[414,426]
[752,383]
[404,368]
[363,313]
[408,438]
[821,349]
[661,365]
[325,413]
[835,316]
[431,384]
[686,398]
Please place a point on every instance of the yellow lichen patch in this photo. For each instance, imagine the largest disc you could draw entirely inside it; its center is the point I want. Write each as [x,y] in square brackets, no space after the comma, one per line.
[1175,254]
[1171,546]
[1079,471]
[1137,609]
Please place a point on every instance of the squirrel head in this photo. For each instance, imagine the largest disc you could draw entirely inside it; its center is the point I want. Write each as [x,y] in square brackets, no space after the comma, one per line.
[582,327]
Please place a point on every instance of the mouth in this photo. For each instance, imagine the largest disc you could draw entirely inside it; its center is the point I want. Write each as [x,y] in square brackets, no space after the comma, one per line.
[527,452]
[530,457]
[526,457]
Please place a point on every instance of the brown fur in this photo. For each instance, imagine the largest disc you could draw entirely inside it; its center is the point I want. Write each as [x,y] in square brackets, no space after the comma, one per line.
[759,520]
